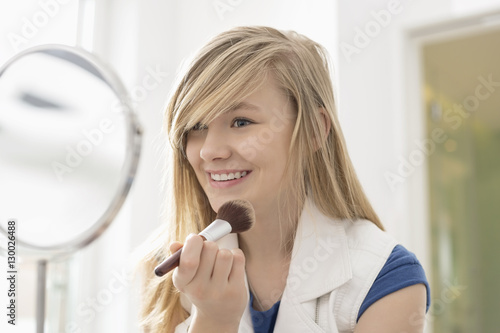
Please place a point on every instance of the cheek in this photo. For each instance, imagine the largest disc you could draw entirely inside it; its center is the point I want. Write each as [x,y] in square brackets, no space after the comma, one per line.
[272,155]
[193,153]
[278,153]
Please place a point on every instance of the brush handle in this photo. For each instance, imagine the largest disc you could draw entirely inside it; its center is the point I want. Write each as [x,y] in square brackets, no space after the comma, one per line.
[168,264]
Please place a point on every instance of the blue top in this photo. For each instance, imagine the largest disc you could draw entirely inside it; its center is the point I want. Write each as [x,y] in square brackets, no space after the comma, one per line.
[263,321]
[402,269]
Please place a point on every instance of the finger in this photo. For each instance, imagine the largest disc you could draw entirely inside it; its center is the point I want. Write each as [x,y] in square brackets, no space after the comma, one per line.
[207,261]
[175,246]
[222,267]
[237,273]
[189,261]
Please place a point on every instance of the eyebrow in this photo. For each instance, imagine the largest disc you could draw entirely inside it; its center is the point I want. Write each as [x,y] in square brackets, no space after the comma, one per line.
[244,106]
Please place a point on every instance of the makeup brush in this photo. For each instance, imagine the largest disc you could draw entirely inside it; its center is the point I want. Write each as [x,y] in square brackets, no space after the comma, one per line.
[234,216]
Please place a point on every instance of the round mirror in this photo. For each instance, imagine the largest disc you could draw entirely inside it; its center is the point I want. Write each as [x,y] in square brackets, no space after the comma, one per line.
[69,148]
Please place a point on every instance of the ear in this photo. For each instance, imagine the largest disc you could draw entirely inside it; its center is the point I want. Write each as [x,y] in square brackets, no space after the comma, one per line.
[326,128]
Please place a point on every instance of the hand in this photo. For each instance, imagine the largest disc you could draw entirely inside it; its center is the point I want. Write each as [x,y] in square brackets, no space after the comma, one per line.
[214,281]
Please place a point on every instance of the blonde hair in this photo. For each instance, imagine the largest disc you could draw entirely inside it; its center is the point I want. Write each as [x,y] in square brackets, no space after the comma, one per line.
[229,68]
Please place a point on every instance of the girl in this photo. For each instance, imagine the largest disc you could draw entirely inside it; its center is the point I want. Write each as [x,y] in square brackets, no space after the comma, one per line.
[254,118]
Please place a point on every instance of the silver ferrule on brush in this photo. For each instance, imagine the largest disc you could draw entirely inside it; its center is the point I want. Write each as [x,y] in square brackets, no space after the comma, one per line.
[216,230]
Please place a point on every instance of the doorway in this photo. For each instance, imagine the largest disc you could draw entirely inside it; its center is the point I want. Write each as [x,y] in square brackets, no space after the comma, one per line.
[461,100]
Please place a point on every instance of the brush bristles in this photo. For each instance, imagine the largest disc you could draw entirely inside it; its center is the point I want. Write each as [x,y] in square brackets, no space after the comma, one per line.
[239,213]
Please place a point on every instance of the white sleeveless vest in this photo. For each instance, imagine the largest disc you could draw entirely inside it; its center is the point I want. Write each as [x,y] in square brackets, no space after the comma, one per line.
[334,263]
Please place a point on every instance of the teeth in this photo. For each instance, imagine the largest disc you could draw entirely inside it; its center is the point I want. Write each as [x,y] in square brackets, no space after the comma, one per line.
[225,176]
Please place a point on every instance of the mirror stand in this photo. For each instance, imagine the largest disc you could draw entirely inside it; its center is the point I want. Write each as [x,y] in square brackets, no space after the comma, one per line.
[41,291]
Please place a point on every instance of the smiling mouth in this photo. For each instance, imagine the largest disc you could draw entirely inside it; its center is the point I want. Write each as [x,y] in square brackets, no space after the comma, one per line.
[222,177]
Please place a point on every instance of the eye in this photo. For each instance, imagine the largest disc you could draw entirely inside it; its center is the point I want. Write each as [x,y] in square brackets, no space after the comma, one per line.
[241,122]
[199,127]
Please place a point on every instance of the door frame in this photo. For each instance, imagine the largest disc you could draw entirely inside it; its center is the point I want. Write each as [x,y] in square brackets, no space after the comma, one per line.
[412,40]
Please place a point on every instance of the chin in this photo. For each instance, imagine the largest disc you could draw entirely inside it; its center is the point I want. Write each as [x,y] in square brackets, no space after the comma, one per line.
[215,203]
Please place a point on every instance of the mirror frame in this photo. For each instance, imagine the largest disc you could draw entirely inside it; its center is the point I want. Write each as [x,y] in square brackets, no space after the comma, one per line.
[133,148]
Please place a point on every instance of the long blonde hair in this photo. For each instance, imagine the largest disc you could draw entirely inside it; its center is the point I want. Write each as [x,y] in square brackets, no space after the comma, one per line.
[229,68]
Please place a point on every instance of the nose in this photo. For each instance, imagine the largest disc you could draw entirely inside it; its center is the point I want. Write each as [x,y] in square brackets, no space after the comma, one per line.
[216,146]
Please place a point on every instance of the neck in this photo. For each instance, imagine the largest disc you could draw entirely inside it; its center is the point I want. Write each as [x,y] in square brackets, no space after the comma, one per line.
[267,260]
[265,242]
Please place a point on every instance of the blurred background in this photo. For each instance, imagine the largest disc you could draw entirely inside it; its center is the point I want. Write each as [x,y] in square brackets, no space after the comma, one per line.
[418,93]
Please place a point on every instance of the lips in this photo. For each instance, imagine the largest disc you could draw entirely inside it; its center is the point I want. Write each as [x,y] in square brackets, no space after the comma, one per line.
[221,177]
[226,178]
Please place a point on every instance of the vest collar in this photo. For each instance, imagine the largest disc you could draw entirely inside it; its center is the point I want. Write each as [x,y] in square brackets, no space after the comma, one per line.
[320,263]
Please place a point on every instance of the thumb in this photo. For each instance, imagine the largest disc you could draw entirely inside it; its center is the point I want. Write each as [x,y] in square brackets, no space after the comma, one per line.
[175,246]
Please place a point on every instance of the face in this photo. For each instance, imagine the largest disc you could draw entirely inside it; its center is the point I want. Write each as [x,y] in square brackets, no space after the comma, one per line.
[242,153]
